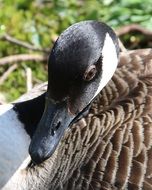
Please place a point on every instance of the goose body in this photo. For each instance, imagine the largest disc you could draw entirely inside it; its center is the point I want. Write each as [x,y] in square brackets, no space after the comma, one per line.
[110,147]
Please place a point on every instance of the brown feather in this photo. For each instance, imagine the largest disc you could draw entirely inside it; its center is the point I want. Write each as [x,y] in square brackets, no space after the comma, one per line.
[111,148]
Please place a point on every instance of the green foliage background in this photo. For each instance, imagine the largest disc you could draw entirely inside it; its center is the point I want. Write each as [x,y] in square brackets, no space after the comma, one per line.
[39,22]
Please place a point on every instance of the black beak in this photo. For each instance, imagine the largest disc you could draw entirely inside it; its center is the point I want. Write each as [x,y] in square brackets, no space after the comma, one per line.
[50,130]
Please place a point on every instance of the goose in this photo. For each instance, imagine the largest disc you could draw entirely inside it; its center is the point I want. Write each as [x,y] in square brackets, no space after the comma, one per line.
[82,133]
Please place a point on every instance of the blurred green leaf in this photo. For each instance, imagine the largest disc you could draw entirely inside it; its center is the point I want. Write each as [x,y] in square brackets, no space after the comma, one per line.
[39,22]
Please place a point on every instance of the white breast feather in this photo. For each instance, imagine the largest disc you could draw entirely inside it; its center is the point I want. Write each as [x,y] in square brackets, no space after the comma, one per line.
[14,143]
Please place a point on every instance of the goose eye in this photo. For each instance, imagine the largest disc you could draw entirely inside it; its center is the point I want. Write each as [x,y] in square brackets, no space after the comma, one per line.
[90,73]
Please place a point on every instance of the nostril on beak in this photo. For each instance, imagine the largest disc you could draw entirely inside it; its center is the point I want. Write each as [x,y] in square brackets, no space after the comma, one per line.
[55,128]
[58,125]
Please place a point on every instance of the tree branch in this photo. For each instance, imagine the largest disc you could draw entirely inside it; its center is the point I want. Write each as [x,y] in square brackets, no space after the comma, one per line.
[7,73]
[22,57]
[22,43]
[133,27]
[29,83]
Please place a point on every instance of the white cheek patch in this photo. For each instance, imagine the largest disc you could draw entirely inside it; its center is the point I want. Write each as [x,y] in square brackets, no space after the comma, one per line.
[109,62]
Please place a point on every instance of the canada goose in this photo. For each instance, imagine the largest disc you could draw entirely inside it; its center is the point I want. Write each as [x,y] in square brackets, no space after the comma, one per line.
[109,147]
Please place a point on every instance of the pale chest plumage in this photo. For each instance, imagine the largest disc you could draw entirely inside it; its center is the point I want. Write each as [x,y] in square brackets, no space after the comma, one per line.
[14,143]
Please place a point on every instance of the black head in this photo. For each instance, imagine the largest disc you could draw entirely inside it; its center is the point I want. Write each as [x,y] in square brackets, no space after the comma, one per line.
[81,63]
[76,61]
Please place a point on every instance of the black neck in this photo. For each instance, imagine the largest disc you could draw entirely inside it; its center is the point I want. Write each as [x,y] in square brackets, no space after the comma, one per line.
[30,113]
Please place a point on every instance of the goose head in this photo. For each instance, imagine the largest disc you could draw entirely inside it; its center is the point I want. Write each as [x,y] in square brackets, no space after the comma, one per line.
[82,61]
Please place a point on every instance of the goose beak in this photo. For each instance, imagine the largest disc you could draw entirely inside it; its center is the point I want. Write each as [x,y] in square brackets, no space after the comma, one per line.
[50,130]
